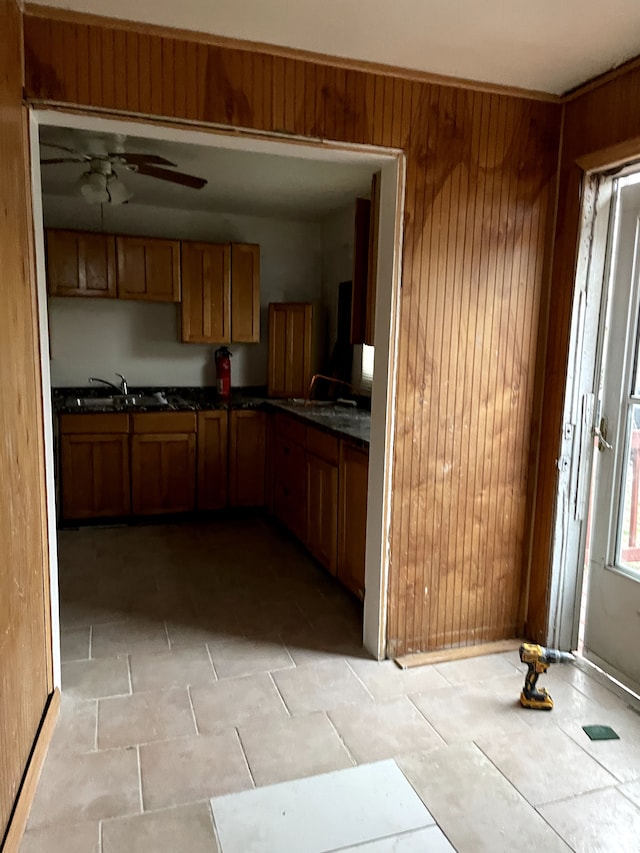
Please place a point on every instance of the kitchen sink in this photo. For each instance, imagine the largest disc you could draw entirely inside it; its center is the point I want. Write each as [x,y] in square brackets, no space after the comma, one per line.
[121,402]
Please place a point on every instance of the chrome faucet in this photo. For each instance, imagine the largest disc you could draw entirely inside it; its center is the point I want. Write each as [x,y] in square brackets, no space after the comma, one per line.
[123,388]
[330,379]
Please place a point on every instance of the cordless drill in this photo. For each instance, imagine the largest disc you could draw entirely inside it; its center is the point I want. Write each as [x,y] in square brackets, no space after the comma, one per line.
[537,659]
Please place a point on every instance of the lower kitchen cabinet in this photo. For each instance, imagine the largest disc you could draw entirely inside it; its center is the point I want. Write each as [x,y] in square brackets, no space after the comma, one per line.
[290,475]
[322,497]
[212,460]
[247,457]
[163,463]
[352,518]
[94,460]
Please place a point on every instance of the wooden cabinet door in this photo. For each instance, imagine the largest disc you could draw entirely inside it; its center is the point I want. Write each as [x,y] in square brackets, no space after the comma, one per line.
[163,473]
[80,264]
[290,485]
[352,517]
[95,476]
[212,460]
[290,340]
[247,458]
[245,293]
[148,269]
[322,511]
[206,293]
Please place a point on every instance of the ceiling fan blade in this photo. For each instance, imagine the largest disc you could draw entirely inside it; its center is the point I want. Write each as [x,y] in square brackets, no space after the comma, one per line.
[174,177]
[64,148]
[60,160]
[141,159]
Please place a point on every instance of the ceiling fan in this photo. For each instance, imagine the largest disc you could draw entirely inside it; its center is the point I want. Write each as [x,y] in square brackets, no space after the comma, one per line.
[101,183]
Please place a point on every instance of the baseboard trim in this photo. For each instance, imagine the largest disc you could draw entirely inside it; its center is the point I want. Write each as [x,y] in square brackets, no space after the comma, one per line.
[424,658]
[27,790]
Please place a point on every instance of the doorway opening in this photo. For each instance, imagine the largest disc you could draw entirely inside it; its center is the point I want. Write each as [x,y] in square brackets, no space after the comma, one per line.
[602,434]
[332,163]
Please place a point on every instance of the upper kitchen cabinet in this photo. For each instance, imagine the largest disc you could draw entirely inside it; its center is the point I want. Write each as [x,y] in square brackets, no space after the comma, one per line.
[245,293]
[290,348]
[148,269]
[80,263]
[206,293]
[220,293]
[365,266]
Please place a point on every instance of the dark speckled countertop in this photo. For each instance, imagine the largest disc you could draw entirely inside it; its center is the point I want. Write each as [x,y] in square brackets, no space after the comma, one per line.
[335,418]
[182,399]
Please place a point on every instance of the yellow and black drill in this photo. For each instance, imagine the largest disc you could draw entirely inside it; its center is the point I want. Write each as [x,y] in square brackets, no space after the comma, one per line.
[537,659]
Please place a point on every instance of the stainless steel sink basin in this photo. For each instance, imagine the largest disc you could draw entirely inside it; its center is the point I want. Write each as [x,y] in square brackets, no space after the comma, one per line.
[121,402]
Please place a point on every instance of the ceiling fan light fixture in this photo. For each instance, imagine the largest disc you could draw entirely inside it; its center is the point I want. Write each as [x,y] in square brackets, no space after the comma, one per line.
[117,191]
[93,187]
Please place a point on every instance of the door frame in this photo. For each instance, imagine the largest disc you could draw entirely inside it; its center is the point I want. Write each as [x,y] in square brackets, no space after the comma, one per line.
[571,501]
[389,276]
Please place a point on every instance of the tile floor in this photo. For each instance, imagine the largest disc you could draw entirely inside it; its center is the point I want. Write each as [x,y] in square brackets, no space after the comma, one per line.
[216,698]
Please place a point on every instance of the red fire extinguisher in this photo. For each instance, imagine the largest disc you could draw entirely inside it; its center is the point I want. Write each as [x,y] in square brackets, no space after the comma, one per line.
[223,371]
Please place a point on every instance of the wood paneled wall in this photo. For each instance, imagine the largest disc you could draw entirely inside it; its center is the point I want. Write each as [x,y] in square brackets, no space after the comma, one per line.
[480,190]
[601,118]
[25,667]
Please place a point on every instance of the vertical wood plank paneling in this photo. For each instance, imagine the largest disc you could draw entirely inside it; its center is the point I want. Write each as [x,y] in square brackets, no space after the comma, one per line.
[144,72]
[108,69]
[25,636]
[479,171]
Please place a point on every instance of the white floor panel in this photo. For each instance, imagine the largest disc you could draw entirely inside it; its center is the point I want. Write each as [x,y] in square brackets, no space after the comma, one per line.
[323,813]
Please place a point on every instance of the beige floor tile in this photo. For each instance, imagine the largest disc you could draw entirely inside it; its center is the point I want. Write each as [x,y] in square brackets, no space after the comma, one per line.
[185,770]
[620,757]
[74,838]
[378,730]
[177,668]
[471,670]
[632,791]
[187,828]
[545,767]
[475,806]
[278,750]
[195,633]
[122,638]
[384,679]
[74,643]
[233,701]
[603,821]
[75,788]
[144,717]
[320,687]
[467,712]
[243,656]
[96,678]
[75,729]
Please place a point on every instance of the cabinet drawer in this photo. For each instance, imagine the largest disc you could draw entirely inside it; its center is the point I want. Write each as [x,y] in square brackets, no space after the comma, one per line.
[98,424]
[163,422]
[323,445]
[291,428]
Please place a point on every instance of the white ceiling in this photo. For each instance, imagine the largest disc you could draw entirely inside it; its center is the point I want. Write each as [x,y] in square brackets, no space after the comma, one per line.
[243,182]
[546,45]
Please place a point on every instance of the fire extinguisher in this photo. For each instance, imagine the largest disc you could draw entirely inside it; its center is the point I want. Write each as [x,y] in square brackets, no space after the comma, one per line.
[223,371]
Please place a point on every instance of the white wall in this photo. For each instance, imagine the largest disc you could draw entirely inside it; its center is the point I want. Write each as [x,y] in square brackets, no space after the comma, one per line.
[97,337]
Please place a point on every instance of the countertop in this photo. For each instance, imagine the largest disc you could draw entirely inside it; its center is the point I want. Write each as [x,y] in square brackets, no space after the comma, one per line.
[332,417]
[341,420]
